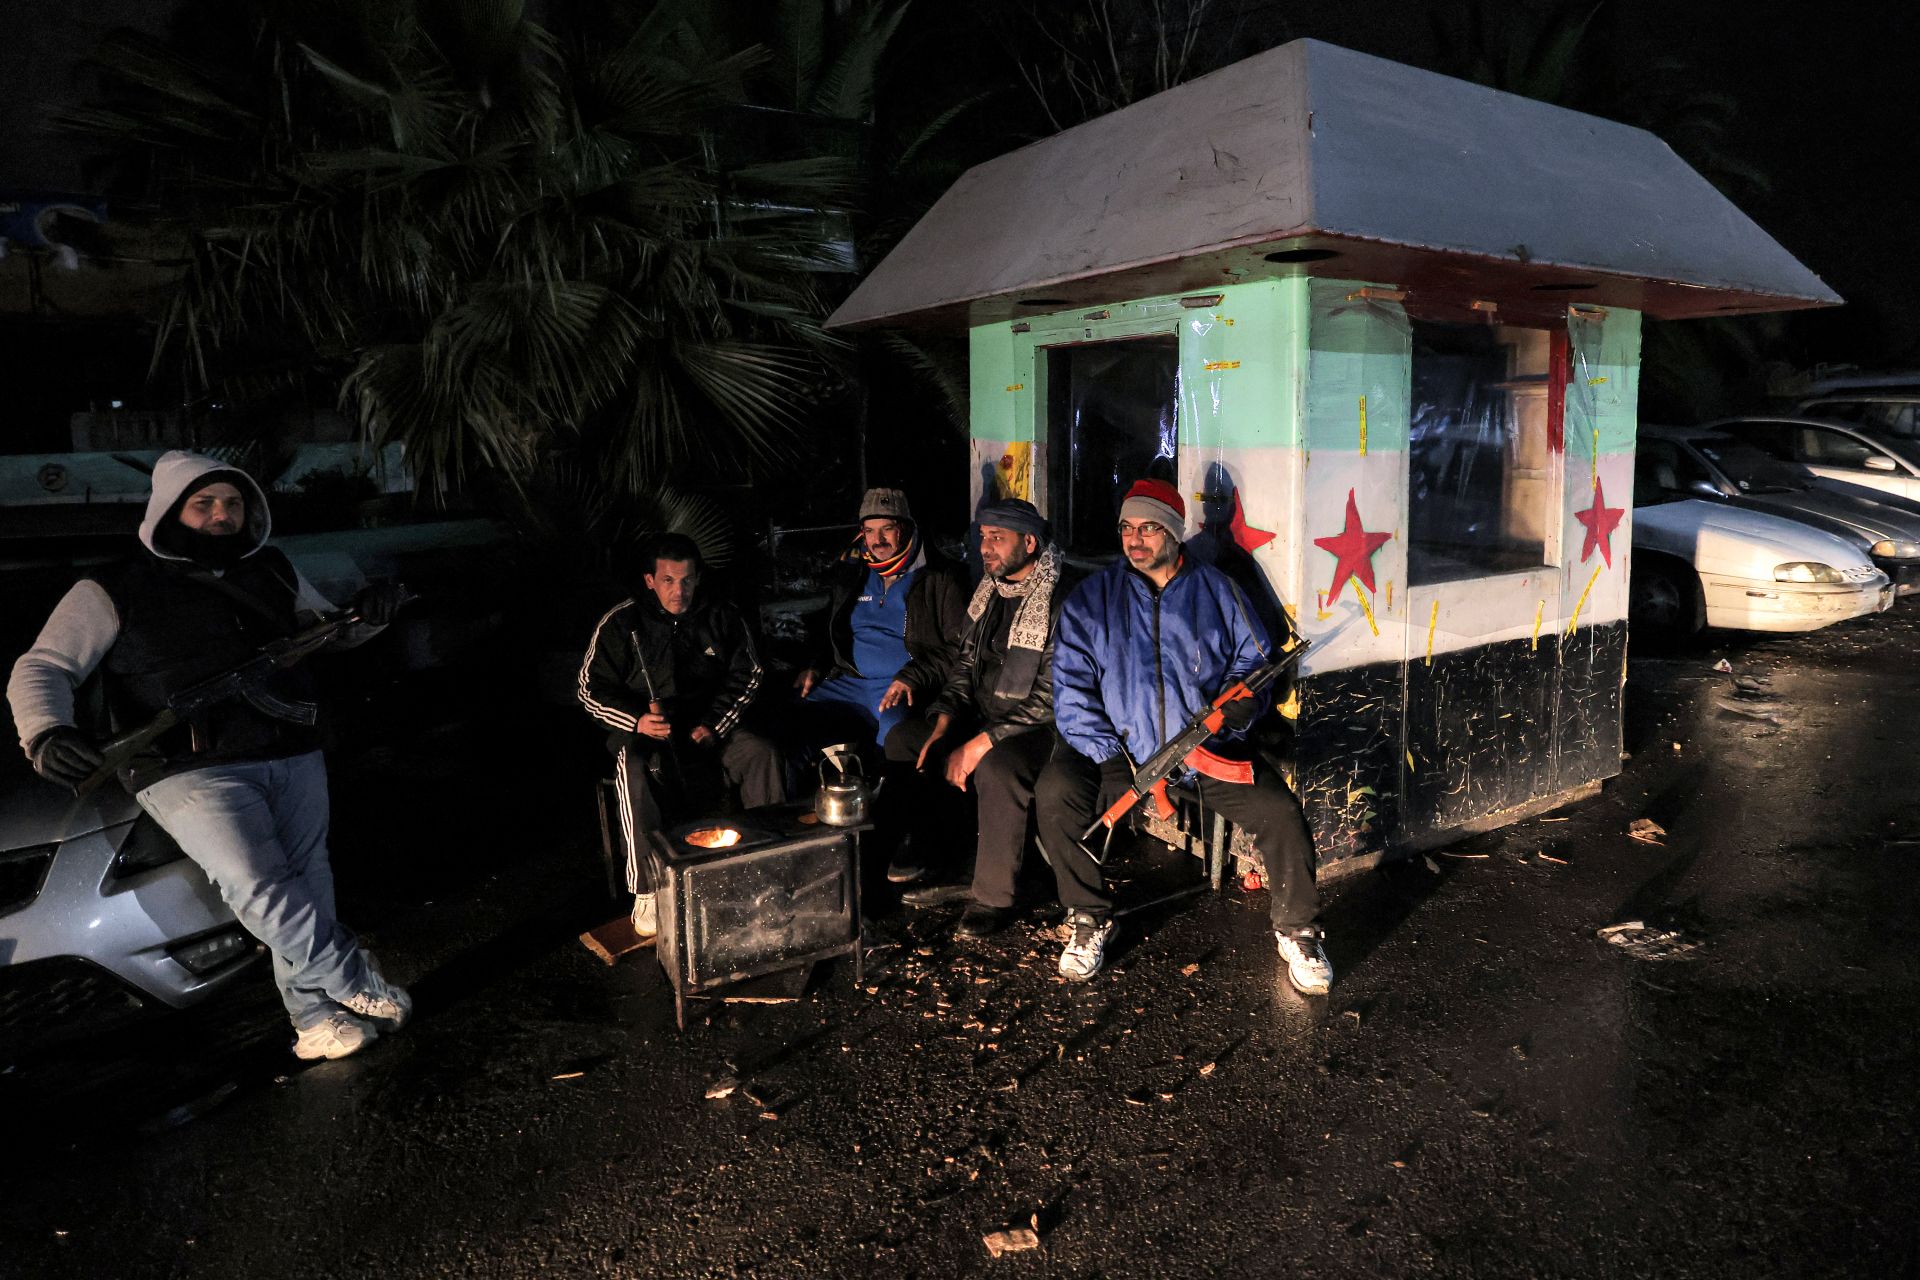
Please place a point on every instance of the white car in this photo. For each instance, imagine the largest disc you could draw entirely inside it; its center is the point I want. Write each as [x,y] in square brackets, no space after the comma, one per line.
[1702,563]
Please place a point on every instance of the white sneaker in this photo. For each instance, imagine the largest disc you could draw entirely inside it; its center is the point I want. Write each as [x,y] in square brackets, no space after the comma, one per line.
[1307,965]
[646,916]
[340,1035]
[381,1001]
[1086,948]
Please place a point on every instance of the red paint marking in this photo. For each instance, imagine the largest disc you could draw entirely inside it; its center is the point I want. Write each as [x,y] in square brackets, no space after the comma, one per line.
[1352,549]
[1242,534]
[1559,370]
[1601,520]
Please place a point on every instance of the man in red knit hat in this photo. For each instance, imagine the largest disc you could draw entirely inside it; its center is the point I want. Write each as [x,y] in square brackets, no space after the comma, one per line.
[1143,645]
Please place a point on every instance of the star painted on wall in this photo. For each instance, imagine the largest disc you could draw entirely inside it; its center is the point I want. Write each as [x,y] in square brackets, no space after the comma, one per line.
[1352,550]
[1242,534]
[1600,520]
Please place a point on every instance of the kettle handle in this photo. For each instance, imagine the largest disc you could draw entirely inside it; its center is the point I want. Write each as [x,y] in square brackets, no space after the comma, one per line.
[851,769]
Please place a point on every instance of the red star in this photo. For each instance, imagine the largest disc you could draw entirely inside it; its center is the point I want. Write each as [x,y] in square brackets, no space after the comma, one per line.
[1352,551]
[1601,521]
[1242,534]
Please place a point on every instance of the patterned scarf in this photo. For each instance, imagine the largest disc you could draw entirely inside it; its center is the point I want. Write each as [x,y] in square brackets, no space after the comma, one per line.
[897,564]
[1035,594]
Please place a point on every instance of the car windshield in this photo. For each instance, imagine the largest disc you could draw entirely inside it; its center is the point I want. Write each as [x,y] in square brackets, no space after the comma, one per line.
[1751,469]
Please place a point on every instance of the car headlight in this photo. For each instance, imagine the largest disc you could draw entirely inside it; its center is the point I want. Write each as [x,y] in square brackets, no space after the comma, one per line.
[1806,571]
[145,848]
[1895,549]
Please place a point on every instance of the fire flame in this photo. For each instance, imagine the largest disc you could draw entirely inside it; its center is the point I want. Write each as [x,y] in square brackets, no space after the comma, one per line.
[713,838]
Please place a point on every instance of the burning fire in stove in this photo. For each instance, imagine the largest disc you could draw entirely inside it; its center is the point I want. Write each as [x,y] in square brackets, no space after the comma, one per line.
[714,838]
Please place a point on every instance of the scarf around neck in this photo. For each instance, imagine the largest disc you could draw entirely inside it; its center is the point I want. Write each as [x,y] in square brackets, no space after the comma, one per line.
[1035,594]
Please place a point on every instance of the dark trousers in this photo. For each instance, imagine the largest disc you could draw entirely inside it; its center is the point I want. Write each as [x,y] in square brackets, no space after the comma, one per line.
[1002,782]
[745,762]
[1073,791]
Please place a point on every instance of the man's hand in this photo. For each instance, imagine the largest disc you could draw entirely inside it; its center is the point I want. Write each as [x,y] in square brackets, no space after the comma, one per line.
[704,737]
[1241,712]
[962,763]
[654,725]
[805,681]
[940,726]
[65,757]
[378,602]
[897,692]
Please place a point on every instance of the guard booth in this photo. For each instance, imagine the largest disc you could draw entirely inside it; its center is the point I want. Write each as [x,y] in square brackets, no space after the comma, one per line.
[1382,327]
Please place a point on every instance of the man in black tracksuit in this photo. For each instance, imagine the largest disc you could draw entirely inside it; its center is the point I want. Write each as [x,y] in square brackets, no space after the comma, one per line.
[992,724]
[670,673]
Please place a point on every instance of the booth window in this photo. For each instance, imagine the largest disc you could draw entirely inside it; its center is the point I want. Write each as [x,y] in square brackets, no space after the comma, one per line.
[1479,465]
[1110,422]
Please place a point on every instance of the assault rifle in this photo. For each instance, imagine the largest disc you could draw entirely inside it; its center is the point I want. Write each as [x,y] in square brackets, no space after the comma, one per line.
[245,682]
[1185,749]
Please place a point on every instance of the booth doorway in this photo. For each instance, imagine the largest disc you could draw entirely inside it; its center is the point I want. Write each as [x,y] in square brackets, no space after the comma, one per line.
[1111,420]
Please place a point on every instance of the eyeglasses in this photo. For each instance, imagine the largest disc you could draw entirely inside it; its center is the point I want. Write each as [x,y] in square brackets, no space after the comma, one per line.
[1146,530]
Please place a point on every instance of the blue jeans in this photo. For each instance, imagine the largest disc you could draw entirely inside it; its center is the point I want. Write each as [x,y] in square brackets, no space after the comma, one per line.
[259,831]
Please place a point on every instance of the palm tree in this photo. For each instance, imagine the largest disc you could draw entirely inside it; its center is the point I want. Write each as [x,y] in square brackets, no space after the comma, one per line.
[512,248]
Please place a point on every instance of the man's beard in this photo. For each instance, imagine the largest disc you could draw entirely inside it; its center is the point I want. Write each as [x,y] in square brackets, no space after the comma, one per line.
[1015,561]
[211,550]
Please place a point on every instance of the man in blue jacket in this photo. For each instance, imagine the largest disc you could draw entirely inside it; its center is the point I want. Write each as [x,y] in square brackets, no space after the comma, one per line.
[1142,646]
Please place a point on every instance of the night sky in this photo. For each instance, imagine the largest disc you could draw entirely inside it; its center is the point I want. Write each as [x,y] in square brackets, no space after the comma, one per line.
[1826,109]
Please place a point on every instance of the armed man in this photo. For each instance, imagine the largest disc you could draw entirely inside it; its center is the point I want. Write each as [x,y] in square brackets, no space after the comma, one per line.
[239,783]
[1144,646]
[992,725]
[671,673]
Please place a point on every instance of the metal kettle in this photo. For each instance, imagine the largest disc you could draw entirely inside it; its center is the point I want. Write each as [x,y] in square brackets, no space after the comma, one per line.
[847,800]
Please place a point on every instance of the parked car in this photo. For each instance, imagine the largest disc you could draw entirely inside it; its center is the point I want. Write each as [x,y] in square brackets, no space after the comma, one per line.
[1884,409]
[1700,562]
[101,916]
[1837,452]
[1700,463]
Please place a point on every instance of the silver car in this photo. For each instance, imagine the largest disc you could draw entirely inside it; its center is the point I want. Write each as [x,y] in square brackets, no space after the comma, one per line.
[1697,462]
[1837,452]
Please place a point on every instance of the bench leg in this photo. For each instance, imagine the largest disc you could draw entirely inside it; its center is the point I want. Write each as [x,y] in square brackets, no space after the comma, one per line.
[1218,852]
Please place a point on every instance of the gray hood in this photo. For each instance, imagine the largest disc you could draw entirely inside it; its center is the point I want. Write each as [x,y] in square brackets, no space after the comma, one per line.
[179,473]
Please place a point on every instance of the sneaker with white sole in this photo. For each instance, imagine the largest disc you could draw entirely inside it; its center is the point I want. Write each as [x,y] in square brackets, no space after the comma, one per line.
[646,915]
[341,1034]
[1307,965]
[381,1001]
[1086,948]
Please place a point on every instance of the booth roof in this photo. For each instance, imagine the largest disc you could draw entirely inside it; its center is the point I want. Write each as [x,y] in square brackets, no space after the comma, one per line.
[1339,164]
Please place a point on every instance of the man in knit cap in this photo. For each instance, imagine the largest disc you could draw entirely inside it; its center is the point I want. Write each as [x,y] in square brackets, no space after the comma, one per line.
[1143,645]
[991,727]
[895,612]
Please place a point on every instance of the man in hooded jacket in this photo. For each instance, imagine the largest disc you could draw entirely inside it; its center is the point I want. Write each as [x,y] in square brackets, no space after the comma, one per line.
[242,792]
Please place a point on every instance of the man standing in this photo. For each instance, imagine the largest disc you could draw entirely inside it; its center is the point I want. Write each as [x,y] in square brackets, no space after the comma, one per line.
[992,723]
[1144,644]
[671,673]
[241,791]
[894,619]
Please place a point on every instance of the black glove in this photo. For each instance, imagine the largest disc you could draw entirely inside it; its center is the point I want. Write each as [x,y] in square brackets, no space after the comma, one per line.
[65,757]
[1241,712]
[378,602]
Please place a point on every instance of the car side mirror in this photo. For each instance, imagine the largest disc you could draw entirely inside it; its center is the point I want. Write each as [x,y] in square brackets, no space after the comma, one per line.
[1875,462]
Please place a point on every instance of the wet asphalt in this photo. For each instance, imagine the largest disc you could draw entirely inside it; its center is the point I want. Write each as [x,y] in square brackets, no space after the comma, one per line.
[1493,1088]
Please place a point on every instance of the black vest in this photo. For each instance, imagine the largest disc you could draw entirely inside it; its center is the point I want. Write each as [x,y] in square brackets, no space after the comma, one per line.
[179,625]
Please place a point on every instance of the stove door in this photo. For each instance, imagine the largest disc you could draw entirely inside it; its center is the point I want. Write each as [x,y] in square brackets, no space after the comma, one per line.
[754,910]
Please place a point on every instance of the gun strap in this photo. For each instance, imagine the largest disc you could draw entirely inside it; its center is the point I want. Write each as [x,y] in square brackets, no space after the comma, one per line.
[240,595]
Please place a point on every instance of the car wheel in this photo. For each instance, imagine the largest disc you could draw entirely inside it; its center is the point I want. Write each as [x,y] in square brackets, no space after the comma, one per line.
[1664,600]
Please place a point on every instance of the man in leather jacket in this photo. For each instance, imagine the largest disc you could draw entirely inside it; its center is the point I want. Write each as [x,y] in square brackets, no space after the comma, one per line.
[670,673]
[242,790]
[992,724]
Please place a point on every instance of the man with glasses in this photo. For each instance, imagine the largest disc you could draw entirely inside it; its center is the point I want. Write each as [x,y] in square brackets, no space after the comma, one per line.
[1142,646]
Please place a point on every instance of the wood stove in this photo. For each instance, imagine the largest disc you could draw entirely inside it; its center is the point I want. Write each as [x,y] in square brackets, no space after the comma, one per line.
[753,894]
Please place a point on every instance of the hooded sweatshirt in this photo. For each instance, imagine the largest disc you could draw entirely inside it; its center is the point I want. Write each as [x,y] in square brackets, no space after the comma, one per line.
[161,622]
